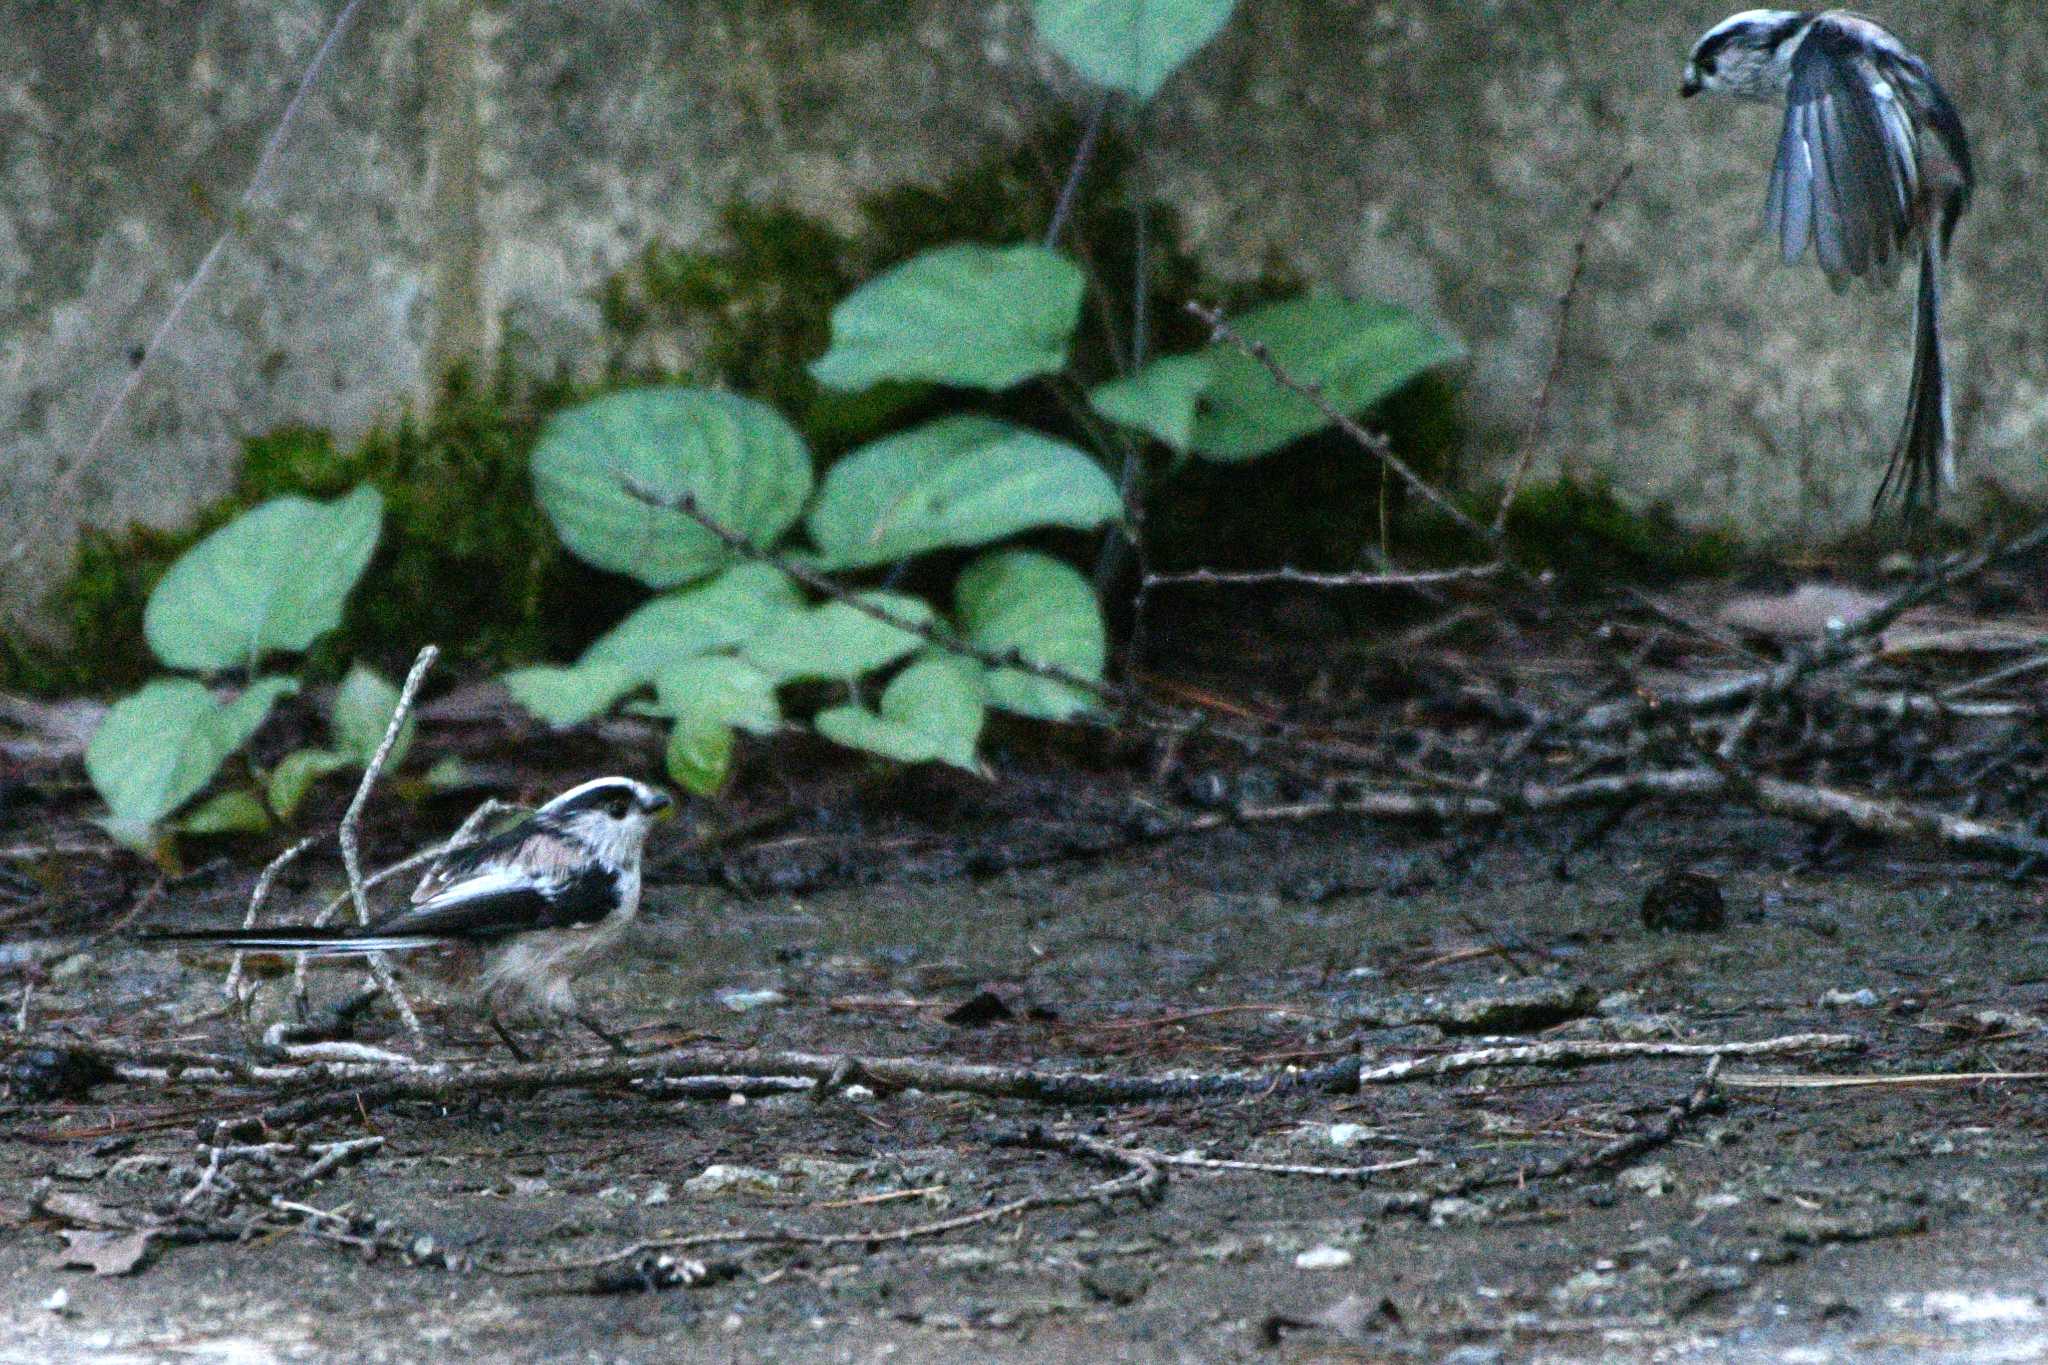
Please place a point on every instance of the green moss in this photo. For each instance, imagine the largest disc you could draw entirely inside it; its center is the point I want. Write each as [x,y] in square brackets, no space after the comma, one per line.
[467,559]
[1584,532]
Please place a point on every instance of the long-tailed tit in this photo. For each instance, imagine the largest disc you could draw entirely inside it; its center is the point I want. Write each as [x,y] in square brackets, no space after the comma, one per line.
[1872,163]
[547,900]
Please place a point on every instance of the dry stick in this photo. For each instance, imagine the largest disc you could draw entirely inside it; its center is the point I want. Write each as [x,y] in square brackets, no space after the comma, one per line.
[1854,640]
[64,484]
[1377,445]
[1905,1080]
[231,987]
[1421,578]
[442,1083]
[1539,416]
[1773,795]
[1141,1179]
[351,820]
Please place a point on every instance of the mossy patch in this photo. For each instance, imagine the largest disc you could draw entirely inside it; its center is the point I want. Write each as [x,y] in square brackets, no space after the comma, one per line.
[1586,533]
[467,560]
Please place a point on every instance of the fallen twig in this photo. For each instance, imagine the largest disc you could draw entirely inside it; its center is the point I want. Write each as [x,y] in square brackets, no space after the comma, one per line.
[1141,1179]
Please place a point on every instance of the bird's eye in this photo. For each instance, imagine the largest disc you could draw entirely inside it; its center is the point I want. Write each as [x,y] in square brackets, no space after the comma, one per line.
[1708,65]
[618,806]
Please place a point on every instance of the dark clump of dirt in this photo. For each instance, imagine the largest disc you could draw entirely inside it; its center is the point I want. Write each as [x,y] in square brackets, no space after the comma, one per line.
[1886,1202]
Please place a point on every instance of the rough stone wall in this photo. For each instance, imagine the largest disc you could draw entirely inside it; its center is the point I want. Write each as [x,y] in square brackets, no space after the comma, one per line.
[1439,154]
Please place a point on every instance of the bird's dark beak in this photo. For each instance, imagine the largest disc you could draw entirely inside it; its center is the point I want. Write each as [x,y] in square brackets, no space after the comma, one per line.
[661,806]
[1690,86]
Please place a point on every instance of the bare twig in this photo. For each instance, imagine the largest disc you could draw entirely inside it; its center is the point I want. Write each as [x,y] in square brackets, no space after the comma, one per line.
[351,821]
[1141,1179]
[443,1082]
[1420,578]
[1221,332]
[232,986]
[63,485]
[1539,413]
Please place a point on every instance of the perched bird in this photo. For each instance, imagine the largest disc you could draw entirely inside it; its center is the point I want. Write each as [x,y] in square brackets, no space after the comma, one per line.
[546,900]
[1873,165]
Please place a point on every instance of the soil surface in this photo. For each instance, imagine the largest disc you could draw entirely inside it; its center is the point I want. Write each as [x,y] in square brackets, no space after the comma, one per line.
[1867,1223]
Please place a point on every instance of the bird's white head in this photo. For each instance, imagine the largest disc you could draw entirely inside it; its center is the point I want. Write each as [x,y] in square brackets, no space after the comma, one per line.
[1747,54]
[609,813]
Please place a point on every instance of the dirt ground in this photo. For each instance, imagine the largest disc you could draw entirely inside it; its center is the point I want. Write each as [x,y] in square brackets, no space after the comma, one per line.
[1870,1223]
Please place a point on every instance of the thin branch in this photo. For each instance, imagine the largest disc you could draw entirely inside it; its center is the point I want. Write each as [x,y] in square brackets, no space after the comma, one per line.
[1381,449]
[442,1082]
[1084,155]
[351,821]
[1420,578]
[1141,1179]
[65,484]
[1539,414]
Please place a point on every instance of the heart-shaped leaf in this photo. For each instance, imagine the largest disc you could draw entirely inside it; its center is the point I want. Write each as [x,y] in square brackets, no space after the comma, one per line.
[363,706]
[1043,609]
[747,468]
[231,812]
[722,612]
[720,688]
[1129,45]
[1356,353]
[931,711]
[979,316]
[1160,400]
[275,577]
[295,775]
[958,481]
[160,746]
[837,640]
[569,696]
[699,755]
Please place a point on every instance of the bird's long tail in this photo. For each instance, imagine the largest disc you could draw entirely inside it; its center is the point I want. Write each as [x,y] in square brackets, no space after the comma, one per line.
[337,942]
[1924,460]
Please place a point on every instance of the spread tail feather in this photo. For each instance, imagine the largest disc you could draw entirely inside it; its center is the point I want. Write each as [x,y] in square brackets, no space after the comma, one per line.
[1923,462]
[340,942]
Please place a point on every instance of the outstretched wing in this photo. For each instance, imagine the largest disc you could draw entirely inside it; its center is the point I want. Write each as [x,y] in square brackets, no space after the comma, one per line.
[1847,170]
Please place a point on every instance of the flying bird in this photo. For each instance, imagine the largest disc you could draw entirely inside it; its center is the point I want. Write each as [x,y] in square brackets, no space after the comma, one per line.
[546,900]
[1873,167]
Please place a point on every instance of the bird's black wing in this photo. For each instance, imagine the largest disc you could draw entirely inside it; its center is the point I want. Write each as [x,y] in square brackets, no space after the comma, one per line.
[510,885]
[1847,167]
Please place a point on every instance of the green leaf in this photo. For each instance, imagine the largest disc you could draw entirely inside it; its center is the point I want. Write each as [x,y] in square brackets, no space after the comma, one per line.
[836,640]
[1160,400]
[160,746]
[719,688]
[931,712]
[295,775]
[449,773]
[958,481]
[725,611]
[363,706]
[699,755]
[979,316]
[275,577]
[1129,45]
[231,812]
[1356,353]
[747,467]
[1045,610]
[569,696]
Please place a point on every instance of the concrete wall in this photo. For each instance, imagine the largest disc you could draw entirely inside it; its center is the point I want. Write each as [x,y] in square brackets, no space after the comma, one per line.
[1439,154]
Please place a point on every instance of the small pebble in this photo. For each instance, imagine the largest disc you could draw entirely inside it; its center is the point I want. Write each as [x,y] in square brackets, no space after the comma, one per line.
[1863,999]
[723,1179]
[1348,1134]
[1323,1258]
[741,1002]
